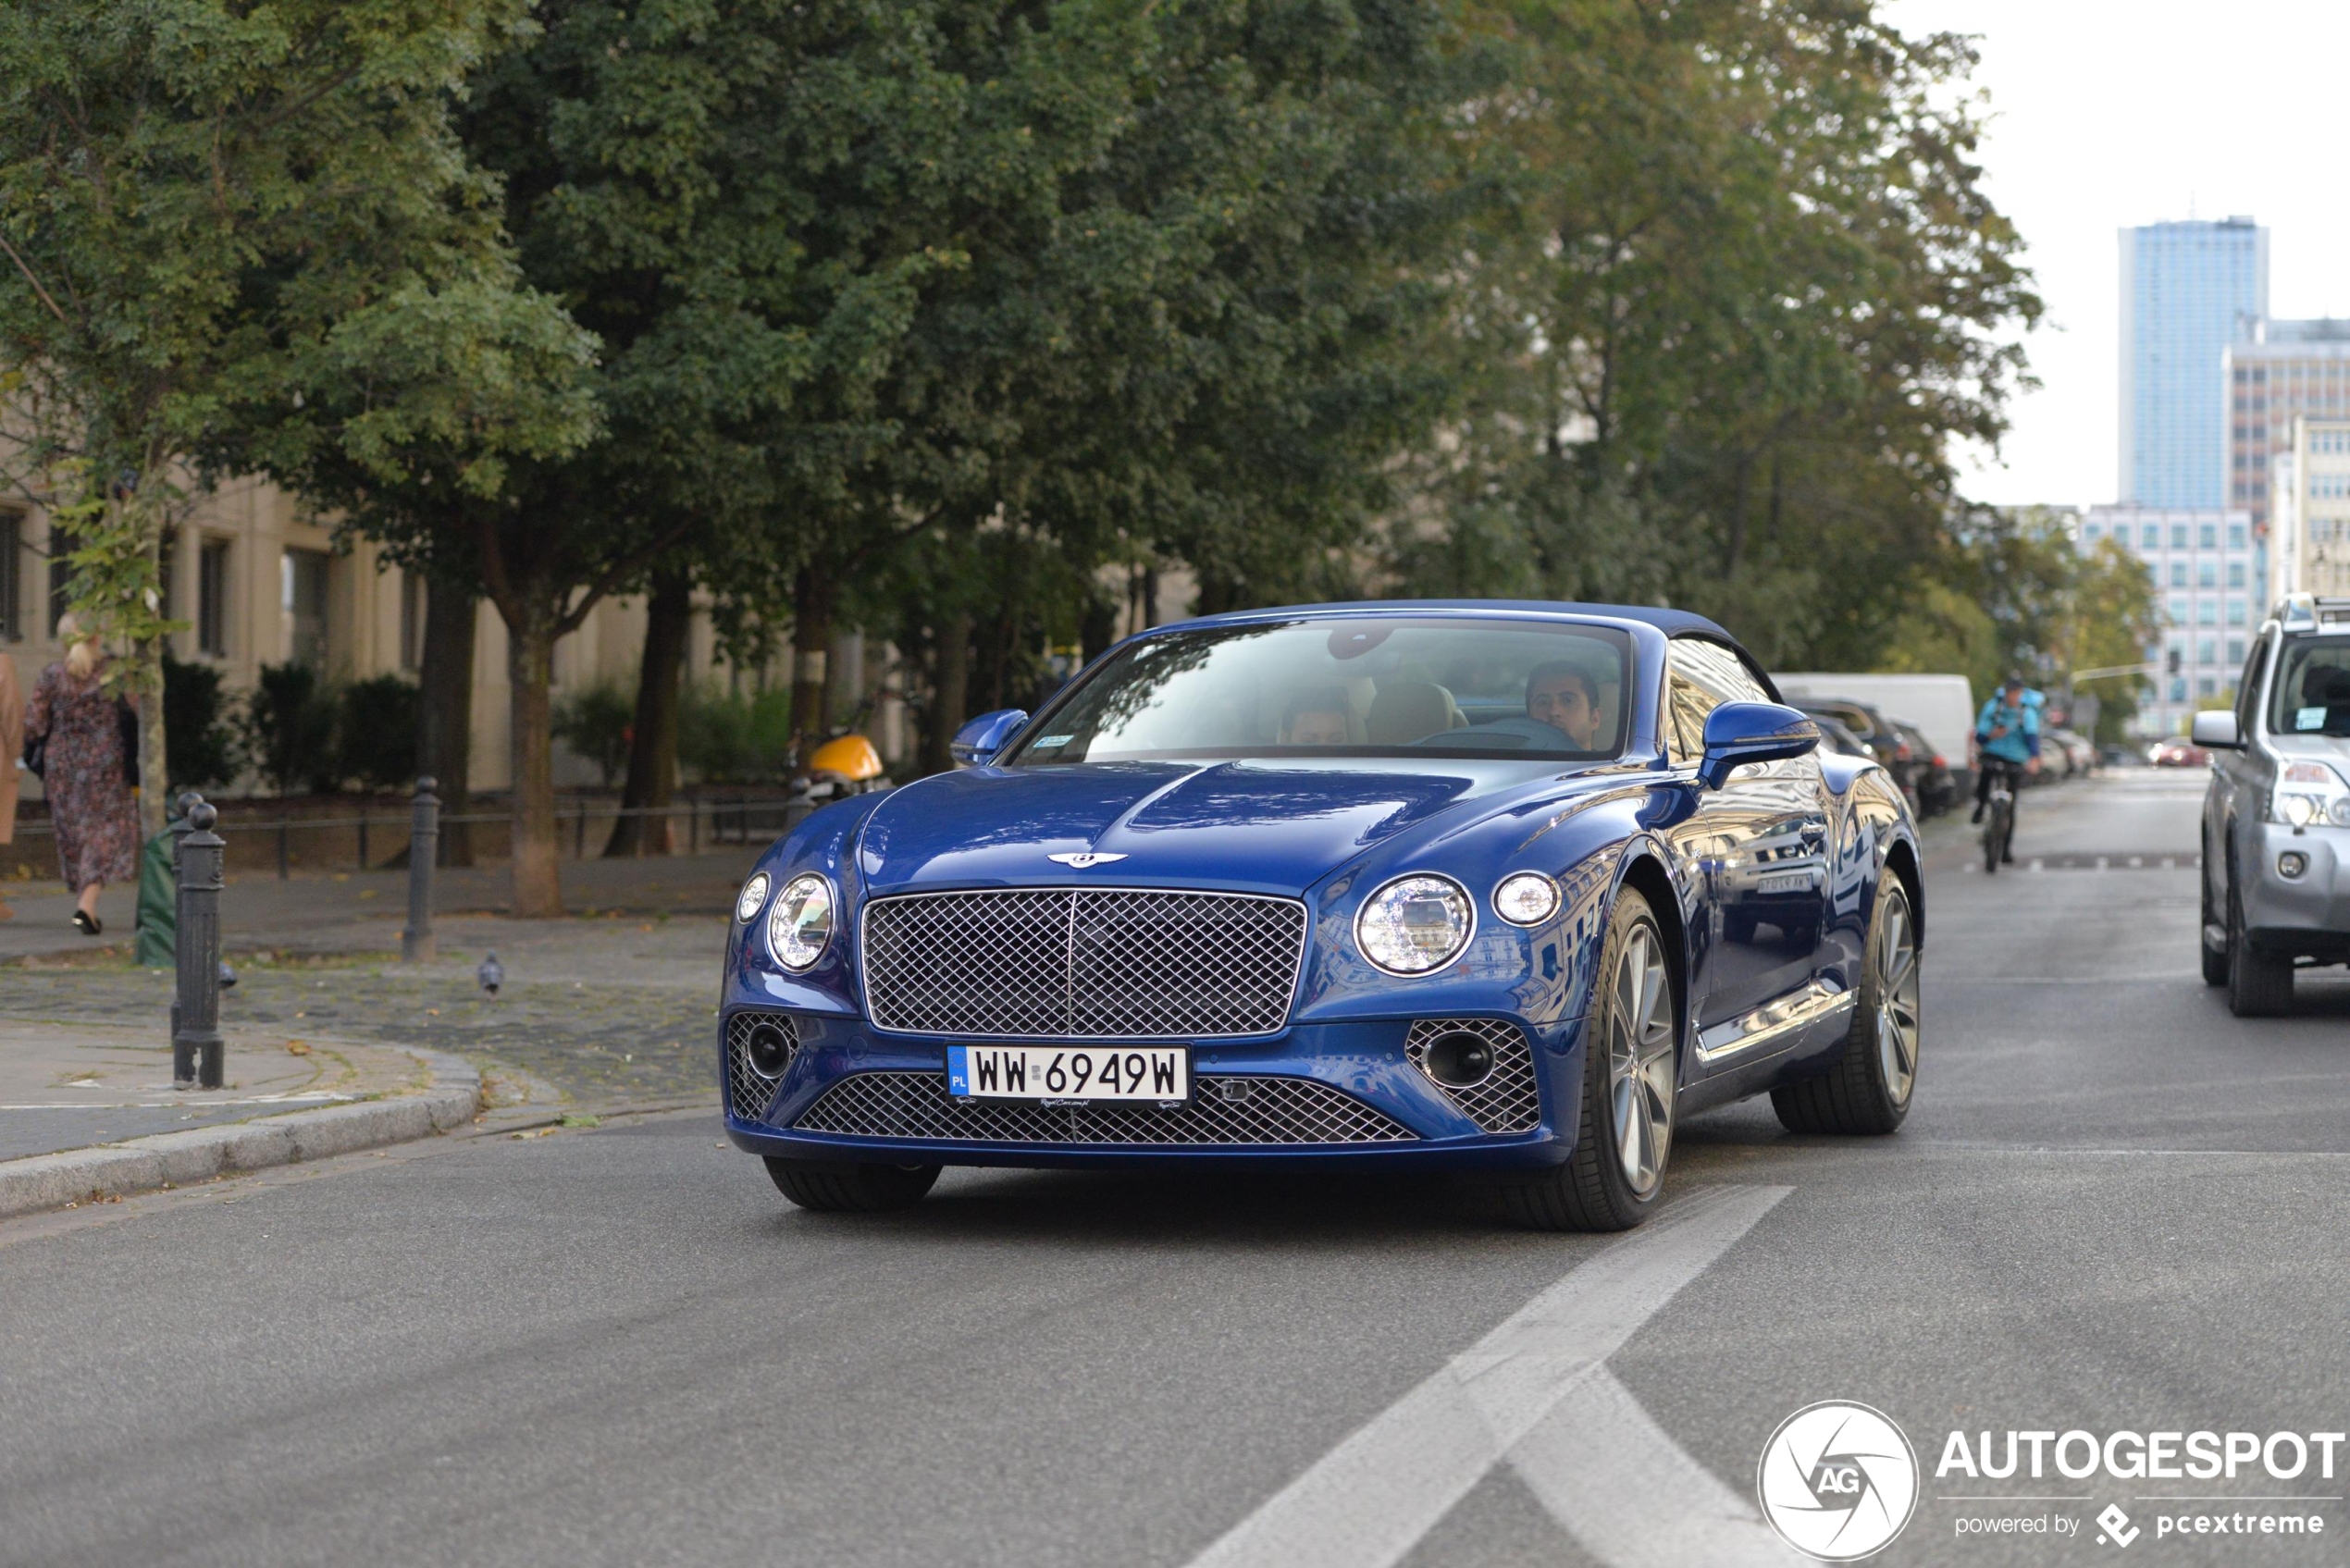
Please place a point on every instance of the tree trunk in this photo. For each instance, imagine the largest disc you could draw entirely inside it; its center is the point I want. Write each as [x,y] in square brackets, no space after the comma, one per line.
[537,875]
[155,773]
[811,640]
[445,712]
[951,689]
[652,745]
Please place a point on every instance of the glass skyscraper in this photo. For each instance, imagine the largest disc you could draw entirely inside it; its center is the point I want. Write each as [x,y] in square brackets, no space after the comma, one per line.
[2189,291]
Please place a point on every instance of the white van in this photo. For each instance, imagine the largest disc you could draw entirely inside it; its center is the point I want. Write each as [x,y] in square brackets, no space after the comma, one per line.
[1942,706]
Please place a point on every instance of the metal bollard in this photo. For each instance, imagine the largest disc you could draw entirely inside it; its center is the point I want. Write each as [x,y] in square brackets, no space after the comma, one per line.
[424,850]
[195,1035]
[180,829]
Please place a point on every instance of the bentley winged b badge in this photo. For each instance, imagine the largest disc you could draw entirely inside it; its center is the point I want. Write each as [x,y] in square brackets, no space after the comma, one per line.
[1084,859]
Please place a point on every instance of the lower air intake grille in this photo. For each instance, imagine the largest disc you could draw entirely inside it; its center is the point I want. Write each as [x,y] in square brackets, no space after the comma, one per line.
[1266,1111]
[1505,1099]
[751,1090]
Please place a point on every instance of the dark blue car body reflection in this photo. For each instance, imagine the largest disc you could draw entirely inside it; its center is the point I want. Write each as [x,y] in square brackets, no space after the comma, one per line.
[1771,893]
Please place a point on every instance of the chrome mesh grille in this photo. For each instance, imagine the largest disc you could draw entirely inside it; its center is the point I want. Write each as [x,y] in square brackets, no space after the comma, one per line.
[1267,1111]
[1506,1100]
[1082,963]
[750,1092]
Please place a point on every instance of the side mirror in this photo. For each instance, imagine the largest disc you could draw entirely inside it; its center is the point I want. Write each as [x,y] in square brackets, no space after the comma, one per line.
[976,744]
[2216,732]
[1739,733]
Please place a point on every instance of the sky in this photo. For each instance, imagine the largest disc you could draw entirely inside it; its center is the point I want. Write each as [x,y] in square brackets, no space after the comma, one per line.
[2109,113]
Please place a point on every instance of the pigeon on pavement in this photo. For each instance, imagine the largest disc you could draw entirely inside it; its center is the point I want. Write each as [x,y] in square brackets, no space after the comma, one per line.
[492,974]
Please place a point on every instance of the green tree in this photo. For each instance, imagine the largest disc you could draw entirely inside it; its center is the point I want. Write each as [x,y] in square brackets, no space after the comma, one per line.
[186,186]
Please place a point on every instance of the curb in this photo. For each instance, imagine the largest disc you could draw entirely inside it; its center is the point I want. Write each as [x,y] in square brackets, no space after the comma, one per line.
[179,1159]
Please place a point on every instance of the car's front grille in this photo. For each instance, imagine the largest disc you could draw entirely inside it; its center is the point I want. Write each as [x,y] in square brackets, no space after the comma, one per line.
[1082,963]
[1505,1099]
[1229,1111]
[750,1093]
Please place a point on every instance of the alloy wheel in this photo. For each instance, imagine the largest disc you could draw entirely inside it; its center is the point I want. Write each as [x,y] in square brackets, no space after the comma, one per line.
[1896,988]
[1641,1067]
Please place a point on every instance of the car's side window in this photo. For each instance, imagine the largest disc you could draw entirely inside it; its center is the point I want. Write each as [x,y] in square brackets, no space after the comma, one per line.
[1700,676]
[2249,686]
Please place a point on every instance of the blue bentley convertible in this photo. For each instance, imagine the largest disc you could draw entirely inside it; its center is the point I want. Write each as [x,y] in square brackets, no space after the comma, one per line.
[1507,888]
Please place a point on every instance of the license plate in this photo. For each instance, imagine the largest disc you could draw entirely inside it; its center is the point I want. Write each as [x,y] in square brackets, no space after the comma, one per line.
[1068,1073]
[1784,881]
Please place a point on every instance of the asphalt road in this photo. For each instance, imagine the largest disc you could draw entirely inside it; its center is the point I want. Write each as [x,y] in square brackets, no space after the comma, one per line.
[2114,1208]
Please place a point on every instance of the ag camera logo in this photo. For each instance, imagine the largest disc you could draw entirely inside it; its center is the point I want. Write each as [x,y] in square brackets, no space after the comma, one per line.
[1837,1481]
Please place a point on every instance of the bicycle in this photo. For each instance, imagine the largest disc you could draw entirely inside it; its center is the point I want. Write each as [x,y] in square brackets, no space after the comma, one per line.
[1998,819]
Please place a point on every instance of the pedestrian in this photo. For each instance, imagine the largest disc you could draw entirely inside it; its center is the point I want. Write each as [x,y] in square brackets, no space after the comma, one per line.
[85,771]
[11,745]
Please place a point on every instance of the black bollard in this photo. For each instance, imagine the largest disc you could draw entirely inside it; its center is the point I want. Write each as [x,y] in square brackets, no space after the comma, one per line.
[195,1035]
[423,848]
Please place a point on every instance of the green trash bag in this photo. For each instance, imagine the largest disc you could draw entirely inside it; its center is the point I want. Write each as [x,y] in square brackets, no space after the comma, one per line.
[158,904]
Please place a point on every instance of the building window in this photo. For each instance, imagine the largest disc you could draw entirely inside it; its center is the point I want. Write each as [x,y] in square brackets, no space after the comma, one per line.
[2235,574]
[212,599]
[2178,609]
[2235,536]
[2206,612]
[11,590]
[2207,574]
[2207,652]
[412,621]
[2210,535]
[2235,613]
[2236,650]
[302,598]
[2209,685]
[2150,537]
[2089,534]
[2179,688]
[2178,536]
[2178,573]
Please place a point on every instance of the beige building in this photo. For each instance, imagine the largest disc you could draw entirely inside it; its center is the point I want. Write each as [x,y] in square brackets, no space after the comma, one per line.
[261,583]
[2310,531]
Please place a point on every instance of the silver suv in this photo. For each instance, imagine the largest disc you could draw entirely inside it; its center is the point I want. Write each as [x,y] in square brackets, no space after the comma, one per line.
[2276,819]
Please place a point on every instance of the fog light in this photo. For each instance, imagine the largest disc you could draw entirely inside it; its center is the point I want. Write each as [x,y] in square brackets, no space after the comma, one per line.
[2292,863]
[770,1051]
[1460,1060]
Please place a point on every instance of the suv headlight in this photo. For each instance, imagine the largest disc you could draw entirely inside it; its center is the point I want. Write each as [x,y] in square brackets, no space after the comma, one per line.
[1416,924]
[2308,793]
[801,924]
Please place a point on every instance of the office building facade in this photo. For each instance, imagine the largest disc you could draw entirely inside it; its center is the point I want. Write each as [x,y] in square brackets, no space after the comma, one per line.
[2206,582]
[2308,544]
[2189,291]
[2291,370]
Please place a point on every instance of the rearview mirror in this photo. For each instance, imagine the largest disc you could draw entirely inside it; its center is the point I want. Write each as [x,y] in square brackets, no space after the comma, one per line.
[976,744]
[2217,731]
[1739,732]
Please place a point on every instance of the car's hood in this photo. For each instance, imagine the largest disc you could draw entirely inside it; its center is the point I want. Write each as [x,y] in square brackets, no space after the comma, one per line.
[1270,826]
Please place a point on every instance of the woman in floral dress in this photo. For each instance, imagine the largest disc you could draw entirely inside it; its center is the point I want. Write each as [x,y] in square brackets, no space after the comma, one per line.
[84,775]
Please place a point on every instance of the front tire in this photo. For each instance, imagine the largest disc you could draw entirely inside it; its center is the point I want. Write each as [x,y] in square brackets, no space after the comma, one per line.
[2215,959]
[1867,1093]
[1631,1077]
[845,1187]
[2260,984]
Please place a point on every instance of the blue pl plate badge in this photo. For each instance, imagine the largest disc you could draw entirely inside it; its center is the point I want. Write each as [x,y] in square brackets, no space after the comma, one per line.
[959,1069]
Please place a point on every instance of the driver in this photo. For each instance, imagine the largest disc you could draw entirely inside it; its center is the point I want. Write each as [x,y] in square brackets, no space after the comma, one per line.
[1561,693]
[1315,717]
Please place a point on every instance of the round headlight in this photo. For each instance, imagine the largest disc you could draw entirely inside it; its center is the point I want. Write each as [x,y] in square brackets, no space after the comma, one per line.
[753,895]
[1527,898]
[1416,924]
[801,922]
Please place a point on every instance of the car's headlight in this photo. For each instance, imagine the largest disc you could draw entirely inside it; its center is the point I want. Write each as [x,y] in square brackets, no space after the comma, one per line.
[753,895]
[801,924]
[1525,898]
[1416,924]
[2308,793]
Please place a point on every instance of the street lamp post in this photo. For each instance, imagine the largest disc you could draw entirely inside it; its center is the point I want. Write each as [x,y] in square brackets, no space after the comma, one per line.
[416,946]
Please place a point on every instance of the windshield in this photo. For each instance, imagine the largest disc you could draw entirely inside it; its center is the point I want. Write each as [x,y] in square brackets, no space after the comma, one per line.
[1348,688]
[2312,688]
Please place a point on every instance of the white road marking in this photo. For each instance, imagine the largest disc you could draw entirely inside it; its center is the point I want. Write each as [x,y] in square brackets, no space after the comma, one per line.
[1630,1494]
[1368,1501]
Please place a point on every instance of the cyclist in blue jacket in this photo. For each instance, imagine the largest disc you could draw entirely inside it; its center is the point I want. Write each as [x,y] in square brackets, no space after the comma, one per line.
[2006,733]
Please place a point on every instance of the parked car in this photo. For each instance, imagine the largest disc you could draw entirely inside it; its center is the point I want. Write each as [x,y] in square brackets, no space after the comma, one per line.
[2177,753]
[1424,887]
[2075,756]
[2116,755]
[1937,785]
[1843,741]
[1891,748]
[2276,815]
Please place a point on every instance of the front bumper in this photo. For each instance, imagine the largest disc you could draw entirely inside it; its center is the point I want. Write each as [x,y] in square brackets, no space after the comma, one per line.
[2304,916]
[1363,1060]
